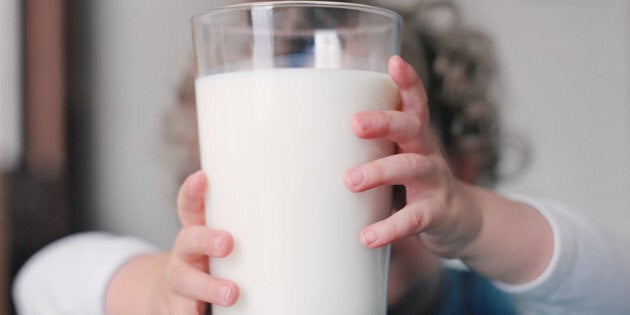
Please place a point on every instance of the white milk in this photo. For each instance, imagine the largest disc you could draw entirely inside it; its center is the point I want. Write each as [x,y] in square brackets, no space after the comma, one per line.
[275,145]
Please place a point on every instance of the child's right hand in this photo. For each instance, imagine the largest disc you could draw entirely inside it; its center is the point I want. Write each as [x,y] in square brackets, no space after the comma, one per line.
[176,281]
[189,286]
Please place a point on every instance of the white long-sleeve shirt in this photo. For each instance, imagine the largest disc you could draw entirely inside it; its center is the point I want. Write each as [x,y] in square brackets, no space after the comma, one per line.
[587,274]
[70,276]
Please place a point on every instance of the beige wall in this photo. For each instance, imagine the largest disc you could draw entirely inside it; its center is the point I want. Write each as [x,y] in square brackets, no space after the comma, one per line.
[566,71]
[139,52]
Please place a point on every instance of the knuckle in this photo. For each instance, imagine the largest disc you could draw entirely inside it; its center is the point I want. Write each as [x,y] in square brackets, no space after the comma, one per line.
[177,279]
[181,238]
[417,164]
[185,236]
[202,242]
[377,172]
[192,240]
[201,239]
[390,121]
[388,230]
[415,220]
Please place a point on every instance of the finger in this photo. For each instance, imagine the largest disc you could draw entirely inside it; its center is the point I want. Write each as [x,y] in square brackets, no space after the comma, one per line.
[196,242]
[195,284]
[412,94]
[403,128]
[399,169]
[190,200]
[412,219]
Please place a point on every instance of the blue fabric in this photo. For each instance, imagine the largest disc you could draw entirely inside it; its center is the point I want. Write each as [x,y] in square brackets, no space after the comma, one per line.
[466,292]
[463,293]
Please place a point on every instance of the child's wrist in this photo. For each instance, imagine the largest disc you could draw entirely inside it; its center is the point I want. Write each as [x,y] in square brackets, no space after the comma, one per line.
[456,240]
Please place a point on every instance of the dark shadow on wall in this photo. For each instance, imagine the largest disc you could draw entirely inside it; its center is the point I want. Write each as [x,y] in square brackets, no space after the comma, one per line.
[42,194]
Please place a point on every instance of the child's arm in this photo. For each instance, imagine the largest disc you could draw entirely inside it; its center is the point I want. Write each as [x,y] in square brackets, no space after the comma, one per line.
[514,243]
[501,239]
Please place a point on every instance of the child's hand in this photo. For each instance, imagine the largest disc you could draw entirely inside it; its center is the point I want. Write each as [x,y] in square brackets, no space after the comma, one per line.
[434,204]
[497,237]
[177,281]
[188,285]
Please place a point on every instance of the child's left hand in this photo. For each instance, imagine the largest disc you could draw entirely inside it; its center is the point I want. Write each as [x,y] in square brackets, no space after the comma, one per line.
[434,197]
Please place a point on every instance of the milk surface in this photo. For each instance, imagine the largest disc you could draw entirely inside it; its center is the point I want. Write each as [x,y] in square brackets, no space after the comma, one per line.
[275,145]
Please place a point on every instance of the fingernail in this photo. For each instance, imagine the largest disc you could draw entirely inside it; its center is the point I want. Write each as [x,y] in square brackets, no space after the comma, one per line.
[224,294]
[356,177]
[368,237]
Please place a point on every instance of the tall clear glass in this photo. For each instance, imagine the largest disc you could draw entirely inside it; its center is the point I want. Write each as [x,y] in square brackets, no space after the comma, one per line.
[277,85]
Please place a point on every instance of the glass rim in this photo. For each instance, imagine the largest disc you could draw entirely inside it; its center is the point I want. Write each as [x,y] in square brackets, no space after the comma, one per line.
[387,13]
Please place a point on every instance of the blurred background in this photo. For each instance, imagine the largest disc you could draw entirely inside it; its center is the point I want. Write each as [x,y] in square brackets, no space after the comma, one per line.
[85,86]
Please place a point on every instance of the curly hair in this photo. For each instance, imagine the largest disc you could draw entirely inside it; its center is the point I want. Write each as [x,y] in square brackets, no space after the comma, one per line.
[457,65]
[458,68]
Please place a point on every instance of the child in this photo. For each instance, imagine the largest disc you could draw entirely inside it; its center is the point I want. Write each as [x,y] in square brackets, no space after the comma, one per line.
[544,259]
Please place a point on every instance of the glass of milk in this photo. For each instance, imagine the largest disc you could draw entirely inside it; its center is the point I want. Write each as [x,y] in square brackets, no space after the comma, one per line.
[277,85]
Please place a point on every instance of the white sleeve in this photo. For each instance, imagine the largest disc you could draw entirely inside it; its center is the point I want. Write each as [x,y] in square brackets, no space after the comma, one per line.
[588,273]
[70,276]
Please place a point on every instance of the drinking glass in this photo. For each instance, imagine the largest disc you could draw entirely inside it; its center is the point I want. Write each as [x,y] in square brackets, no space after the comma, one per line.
[277,85]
